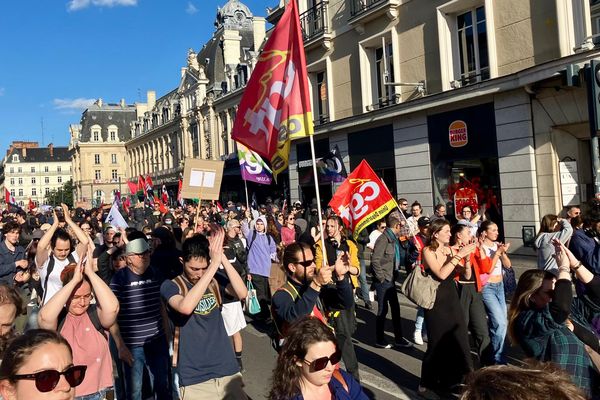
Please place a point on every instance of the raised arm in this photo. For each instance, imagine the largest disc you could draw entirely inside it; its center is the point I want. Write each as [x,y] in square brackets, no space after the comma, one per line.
[236,286]
[443,270]
[43,245]
[48,315]
[82,237]
[106,301]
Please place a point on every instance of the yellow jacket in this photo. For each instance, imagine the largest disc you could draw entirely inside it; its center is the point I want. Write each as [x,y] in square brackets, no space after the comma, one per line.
[352,253]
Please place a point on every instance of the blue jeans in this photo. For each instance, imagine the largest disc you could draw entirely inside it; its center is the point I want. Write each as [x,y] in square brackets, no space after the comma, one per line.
[495,305]
[362,280]
[94,396]
[155,355]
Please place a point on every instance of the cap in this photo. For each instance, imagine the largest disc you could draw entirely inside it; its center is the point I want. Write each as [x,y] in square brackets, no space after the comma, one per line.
[136,246]
[45,227]
[108,227]
[423,221]
[233,224]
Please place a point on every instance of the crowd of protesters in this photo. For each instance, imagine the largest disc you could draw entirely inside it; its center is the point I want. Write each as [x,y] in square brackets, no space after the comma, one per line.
[156,309]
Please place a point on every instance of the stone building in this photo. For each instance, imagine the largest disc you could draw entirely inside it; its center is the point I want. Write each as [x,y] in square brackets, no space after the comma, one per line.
[195,119]
[31,172]
[439,94]
[98,153]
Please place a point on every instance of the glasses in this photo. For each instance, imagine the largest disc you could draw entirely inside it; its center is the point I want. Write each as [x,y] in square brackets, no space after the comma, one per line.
[46,381]
[306,263]
[404,204]
[86,297]
[382,227]
[321,363]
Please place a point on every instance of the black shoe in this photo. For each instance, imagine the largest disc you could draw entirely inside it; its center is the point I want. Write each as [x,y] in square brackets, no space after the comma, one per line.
[368,305]
[239,360]
[403,344]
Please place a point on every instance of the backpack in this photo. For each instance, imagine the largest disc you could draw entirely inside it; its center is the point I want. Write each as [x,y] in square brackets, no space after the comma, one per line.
[50,268]
[269,239]
[213,286]
[92,312]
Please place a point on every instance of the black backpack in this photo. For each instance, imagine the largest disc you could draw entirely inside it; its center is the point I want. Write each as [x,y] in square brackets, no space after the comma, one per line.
[269,239]
[92,312]
[50,268]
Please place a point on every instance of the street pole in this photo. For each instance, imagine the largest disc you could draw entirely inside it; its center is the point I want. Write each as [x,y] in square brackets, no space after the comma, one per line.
[591,77]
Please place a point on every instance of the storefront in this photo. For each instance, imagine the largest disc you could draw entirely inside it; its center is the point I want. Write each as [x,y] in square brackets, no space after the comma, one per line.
[305,171]
[464,160]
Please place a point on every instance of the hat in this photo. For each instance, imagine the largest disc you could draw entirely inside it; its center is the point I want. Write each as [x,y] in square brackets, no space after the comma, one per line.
[423,221]
[233,224]
[107,227]
[37,234]
[45,227]
[136,246]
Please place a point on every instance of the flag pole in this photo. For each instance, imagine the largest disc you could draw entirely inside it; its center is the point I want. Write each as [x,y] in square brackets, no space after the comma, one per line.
[316,179]
[198,209]
[246,190]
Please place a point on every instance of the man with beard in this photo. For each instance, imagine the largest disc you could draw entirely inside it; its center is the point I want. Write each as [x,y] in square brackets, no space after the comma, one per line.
[307,292]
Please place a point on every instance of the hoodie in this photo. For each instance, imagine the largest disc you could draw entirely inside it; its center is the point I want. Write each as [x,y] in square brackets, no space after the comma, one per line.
[545,248]
[262,249]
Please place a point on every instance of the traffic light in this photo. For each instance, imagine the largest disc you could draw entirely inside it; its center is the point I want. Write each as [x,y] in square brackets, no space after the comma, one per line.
[593,81]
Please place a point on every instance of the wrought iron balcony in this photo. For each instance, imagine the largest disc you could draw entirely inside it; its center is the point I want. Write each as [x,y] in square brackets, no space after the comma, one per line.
[314,25]
[363,11]
[358,6]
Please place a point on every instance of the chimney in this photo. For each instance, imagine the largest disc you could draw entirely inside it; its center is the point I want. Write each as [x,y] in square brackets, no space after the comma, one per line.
[99,102]
[259,30]
[24,151]
[51,148]
[122,103]
[151,99]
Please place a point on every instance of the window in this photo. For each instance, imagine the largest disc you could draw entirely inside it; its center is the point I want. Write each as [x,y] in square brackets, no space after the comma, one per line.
[113,136]
[12,170]
[472,46]
[20,170]
[59,179]
[15,158]
[96,158]
[96,136]
[33,191]
[20,192]
[113,158]
[46,179]
[33,170]
[97,174]
[46,191]
[384,73]
[20,181]
[58,168]
[114,175]
[46,168]
[194,138]
[321,97]
[12,181]
[33,180]
[12,192]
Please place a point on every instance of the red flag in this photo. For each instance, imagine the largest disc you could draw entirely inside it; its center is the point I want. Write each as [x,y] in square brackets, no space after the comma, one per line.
[149,183]
[31,205]
[179,197]
[132,187]
[362,199]
[165,194]
[276,102]
[141,186]
[8,198]
[161,206]
[126,204]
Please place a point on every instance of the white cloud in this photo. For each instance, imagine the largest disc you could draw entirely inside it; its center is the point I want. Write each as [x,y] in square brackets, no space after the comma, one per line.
[72,104]
[191,8]
[76,5]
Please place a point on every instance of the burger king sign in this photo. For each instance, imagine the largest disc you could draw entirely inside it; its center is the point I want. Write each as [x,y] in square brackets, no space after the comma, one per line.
[458,134]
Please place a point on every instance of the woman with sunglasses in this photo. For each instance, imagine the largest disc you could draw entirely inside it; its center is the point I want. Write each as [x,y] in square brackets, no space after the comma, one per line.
[307,366]
[39,366]
[288,231]
[83,325]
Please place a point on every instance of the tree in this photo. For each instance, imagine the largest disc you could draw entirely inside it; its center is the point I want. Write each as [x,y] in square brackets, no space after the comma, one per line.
[62,195]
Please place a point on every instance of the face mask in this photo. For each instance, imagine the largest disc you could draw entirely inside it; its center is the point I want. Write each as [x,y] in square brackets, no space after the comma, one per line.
[168,221]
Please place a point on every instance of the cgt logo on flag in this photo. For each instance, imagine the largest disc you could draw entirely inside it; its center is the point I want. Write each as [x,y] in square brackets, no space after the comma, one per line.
[362,199]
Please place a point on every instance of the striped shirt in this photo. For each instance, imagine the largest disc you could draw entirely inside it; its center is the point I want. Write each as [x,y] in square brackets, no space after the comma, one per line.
[139,319]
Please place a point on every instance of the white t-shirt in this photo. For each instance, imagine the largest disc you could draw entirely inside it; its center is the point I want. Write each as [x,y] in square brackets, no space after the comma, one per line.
[54,282]
[490,251]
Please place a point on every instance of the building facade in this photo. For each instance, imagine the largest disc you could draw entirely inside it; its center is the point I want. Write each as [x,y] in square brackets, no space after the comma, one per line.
[445,94]
[194,120]
[31,172]
[98,156]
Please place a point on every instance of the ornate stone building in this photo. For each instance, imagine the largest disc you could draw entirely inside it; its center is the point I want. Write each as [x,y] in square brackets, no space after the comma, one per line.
[98,153]
[195,119]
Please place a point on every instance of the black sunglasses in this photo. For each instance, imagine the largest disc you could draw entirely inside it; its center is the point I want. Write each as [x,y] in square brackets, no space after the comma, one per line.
[46,381]
[321,363]
[306,263]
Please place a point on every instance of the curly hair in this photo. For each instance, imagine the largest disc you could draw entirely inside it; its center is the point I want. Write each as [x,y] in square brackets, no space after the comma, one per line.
[287,374]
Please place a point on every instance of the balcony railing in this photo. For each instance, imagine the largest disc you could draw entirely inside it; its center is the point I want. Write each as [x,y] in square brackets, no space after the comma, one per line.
[359,6]
[312,22]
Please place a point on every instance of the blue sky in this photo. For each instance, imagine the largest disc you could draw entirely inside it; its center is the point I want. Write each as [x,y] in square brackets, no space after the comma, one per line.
[58,55]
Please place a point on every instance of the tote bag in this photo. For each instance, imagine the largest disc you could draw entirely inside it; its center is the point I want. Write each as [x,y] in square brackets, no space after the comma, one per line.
[420,288]
[252,304]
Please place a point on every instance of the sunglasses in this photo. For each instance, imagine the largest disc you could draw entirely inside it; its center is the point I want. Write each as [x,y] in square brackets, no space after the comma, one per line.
[46,381]
[306,263]
[321,363]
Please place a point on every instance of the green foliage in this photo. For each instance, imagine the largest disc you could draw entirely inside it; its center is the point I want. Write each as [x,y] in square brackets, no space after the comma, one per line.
[62,195]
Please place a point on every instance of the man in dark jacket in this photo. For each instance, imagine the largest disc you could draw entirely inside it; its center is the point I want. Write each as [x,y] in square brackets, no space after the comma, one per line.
[12,255]
[385,263]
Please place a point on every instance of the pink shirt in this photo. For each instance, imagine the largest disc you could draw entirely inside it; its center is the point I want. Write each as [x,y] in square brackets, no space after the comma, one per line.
[288,235]
[89,348]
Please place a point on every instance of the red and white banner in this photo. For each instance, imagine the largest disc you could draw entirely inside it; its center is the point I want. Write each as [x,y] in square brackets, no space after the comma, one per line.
[8,198]
[276,102]
[362,199]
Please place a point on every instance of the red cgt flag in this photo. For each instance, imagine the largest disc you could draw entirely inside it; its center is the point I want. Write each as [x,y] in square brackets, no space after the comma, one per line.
[132,187]
[276,102]
[362,199]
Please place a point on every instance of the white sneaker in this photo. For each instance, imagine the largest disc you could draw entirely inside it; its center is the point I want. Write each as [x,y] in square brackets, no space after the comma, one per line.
[418,338]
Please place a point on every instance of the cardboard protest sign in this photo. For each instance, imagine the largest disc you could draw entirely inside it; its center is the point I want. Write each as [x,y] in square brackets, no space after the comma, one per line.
[202,179]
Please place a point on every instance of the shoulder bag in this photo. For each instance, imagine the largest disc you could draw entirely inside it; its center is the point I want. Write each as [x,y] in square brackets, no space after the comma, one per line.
[420,288]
